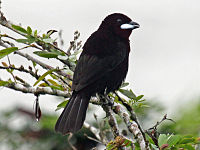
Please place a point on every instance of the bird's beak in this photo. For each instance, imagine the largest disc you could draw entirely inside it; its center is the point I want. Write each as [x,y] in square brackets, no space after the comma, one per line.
[131,25]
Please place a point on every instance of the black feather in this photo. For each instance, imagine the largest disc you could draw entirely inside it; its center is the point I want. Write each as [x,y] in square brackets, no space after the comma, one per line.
[73,116]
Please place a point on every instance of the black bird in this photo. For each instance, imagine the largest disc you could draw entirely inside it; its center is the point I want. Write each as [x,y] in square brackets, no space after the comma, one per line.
[101,68]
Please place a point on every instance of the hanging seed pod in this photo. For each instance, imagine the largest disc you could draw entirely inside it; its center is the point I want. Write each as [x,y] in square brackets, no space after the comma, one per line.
[38,113]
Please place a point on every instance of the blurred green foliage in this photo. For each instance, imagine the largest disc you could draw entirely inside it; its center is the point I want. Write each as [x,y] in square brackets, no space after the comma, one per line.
[187,120]
[19,130]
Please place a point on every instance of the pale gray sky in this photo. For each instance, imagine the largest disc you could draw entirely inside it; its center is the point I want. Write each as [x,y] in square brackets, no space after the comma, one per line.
[165,51]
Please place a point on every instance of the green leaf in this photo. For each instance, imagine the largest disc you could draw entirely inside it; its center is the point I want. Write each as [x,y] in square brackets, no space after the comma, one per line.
[139,97]
[43,85]
[128,93]
[4,83]
[187,147]
[34,63]
[173,140]
[7,51]
[29,30]
[10,70]
[35,33]
[26,41]
[137,146]
[57,52]
[48,40]
[53,76]
[154,147]
[62,105]
[19,28]
[44,36]
[110,146]
[124,84]
[186,140]
[162,139]
[53,82]
[46,54]
[149,139]
[128,143]
[116,99]
[57,87]
[43,76]
[31,38]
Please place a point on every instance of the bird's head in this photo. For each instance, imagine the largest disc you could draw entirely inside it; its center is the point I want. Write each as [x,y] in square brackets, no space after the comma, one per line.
[119,24]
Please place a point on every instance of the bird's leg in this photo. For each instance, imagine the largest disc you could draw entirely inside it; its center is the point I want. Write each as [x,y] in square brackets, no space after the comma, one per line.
[109,100]
[110,115]
[105,99]
[102,99]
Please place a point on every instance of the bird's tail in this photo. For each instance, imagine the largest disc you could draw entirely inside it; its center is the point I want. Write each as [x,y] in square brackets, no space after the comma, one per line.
[73,116]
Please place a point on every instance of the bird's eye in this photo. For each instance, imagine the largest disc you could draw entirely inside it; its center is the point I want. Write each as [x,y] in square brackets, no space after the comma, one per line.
[119,20]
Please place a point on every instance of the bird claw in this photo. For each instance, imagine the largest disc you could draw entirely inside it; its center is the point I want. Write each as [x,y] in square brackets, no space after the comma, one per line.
[106,100]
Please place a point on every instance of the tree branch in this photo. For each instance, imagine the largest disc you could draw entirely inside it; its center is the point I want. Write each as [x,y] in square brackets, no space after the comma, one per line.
[153,131]
[94,130]
[109,113]
[132,126]
[3,44]
[36,91]
[133,115]
[46,46]
[4,22]
[30,45]
[43,65]
[21,69]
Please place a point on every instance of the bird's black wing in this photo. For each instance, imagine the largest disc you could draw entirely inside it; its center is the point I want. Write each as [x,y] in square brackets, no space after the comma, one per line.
[92,67]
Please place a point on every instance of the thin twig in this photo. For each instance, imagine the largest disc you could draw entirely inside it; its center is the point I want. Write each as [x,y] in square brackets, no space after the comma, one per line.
[94,130]
[159,122]
[38,90]
[3,44]
[102,132]
[153,131]
[70,144]
[46,46]
[11,71]
[30,45]
[4,22]
[45,66]
[26,84]
[21,69]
